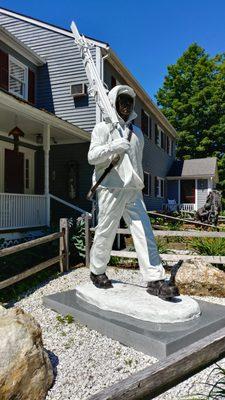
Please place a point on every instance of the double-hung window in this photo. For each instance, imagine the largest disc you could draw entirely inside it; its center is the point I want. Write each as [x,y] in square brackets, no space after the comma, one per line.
[157,136]
[159,187]
[147,183]
[146,123]
[18,78]
[169,146]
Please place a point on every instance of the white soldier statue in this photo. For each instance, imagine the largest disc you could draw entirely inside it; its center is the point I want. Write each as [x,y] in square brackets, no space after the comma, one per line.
[120,195]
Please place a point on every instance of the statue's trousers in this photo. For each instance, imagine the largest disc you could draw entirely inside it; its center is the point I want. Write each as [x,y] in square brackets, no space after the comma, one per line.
[127,203]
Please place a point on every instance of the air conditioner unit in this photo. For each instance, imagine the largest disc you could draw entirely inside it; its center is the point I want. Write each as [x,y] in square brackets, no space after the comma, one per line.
[78,90]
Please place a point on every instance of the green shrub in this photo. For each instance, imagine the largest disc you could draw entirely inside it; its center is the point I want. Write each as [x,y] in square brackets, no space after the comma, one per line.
[162,248]
[209,246]
[77,237]
[114,261]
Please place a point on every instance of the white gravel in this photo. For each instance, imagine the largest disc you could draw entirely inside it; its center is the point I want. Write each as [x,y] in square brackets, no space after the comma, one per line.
[86,361]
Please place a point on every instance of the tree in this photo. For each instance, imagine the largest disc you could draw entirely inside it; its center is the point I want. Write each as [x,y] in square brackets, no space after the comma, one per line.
[193,99]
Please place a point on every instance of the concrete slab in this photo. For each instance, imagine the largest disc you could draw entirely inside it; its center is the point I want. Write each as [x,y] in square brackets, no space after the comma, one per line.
[156,339]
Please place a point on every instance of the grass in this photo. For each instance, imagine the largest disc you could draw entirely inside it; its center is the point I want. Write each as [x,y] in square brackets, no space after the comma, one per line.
[216,391]
[162,245]
[209,246]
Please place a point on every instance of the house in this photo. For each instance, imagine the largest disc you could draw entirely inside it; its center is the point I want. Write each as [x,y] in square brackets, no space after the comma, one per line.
[46,119]
[190,181]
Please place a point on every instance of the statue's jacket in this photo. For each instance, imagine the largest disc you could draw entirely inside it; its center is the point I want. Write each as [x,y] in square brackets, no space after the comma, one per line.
[128,173]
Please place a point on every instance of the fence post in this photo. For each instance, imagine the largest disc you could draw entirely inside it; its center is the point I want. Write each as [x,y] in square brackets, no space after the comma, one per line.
[64,245]
[87,240]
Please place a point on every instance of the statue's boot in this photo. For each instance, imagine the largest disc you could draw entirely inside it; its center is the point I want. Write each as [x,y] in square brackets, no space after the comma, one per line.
[163,289]
[101,281]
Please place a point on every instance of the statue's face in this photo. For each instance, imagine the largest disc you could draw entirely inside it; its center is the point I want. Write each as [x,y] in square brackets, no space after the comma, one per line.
[124,106]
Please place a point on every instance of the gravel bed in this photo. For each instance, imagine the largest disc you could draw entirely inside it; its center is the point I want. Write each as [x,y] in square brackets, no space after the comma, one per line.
[85,361]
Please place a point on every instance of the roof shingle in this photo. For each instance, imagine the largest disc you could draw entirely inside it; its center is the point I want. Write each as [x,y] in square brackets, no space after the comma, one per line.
[194,167]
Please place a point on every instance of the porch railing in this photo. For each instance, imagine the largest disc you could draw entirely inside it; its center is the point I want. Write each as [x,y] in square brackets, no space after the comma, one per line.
[22,210]
[180,207]
[186,206]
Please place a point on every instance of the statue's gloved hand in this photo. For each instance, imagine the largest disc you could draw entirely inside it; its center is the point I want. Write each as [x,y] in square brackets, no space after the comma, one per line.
[119,145]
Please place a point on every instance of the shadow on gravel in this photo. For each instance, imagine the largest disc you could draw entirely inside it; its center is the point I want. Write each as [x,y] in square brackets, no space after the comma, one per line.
[54,361]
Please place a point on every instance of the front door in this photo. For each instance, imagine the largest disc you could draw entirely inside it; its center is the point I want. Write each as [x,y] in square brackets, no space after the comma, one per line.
[187,191]
[14,171]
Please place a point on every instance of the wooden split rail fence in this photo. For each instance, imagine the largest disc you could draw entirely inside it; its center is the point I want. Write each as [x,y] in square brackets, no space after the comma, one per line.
[62,258]
[163,233]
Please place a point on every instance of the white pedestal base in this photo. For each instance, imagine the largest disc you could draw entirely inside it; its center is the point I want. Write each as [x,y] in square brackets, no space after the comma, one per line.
[135,302]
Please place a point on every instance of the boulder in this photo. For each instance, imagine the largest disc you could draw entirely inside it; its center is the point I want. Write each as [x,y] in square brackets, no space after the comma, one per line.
[197,277]
[25,369]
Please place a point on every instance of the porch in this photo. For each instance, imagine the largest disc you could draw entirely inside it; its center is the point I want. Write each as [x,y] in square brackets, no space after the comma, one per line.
[24,202]
[187,194]
[189,182]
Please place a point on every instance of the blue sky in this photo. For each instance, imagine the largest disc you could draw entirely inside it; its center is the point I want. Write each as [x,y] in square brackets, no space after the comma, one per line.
[147,35]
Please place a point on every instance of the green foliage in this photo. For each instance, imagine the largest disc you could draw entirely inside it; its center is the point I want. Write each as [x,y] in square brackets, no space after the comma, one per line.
[128,362]
[68,318]
[174,225]
[193,99]
[209,246]
[216,391]
[19,262]
[115,261]
[19,290]
[77,235]
[162,248]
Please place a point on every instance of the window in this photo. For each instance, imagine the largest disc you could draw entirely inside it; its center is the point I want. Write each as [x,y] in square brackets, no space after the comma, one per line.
[172,147]
[160,137]
[169,145]
[159,187]
[157,136]
[146,123]
[163,139]
[18,78]
[147,183]
[4,66]
[114,82]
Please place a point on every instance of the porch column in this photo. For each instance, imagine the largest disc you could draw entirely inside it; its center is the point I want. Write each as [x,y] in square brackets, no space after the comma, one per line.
[179,193]
[46,147]
[196,195]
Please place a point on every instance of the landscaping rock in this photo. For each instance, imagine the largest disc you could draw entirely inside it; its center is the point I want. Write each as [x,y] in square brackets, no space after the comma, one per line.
[197,277]
[25,369]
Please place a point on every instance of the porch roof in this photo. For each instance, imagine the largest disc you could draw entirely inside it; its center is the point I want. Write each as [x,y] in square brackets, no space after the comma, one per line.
[198,167]
[32,120]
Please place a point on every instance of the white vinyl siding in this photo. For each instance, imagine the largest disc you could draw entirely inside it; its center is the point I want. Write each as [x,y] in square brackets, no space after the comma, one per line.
[18,78]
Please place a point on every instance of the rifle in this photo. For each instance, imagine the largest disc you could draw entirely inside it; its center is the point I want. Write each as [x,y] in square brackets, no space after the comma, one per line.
[99,92]
[95,87]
